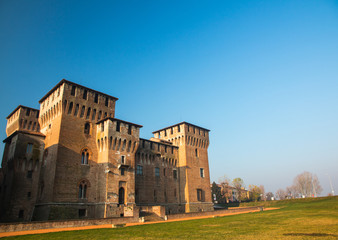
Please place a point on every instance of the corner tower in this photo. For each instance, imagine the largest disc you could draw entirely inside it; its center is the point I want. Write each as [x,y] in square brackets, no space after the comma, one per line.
[193,142]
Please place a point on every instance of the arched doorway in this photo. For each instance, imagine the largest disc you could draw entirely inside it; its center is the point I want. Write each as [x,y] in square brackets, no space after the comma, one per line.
[121,195]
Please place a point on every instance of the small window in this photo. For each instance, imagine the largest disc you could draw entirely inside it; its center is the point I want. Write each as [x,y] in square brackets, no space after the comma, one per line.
[94,114]
[122,171]
[29,174]
[73,91]
[88,113]
[82,213]
[163,171]
[76,110]
[175,174]
[29,194]
[165,148]
[165,133]
[123,159]
[84,157]
[117,126]
[70,108]
[129,129]
[28,112]
[199,195]
[99,116]
[82,190]
[172,131]
[102,127]
[87,128]
[96,98]
[194,130]
[106,102]
[85,94]
[82,111]
[196,152]
[29,148]
[202,172]
[139,170]
[157,172]
[188,128]
[21,213]
[178,128]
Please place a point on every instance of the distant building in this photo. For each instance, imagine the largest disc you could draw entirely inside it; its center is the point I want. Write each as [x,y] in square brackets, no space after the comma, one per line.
[73,159]
[218,193]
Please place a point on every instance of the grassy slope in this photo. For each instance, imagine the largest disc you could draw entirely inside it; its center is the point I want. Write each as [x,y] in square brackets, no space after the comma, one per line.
[297,219]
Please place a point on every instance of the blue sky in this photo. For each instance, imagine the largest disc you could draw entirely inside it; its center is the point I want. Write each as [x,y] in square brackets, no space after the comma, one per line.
[261,75]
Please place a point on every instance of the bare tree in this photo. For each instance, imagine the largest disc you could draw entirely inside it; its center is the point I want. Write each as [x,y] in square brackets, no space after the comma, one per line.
[292,192]
[269,196]
[281,194]
[226,191]
[307,184]
[263,197]
[238,184]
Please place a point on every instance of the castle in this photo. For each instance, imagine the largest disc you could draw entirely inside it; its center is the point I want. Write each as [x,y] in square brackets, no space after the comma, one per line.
[73,159]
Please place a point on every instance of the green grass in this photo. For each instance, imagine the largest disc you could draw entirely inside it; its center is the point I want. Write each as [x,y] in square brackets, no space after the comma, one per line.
[314,218]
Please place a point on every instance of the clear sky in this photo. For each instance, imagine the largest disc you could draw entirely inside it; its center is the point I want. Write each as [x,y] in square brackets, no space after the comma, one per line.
[261,75]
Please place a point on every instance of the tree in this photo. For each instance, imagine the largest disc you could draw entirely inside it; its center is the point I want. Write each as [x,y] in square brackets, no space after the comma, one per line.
[261,187]
[226,191]
[281,194]
[255,193]
[238,184]
[216,193]
[269,196]
[307,184]
[292,192]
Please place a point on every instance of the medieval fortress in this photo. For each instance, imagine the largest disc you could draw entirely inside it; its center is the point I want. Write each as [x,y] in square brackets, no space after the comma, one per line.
[73,159]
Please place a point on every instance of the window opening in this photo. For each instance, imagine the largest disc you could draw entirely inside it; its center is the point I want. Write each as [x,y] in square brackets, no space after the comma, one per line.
[85,94]
[84,157]
[73,91]
[157,172]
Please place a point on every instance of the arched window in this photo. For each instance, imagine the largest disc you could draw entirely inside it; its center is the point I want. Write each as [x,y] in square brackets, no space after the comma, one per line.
[83,190]
[87,128]
[70,108]
[84,156]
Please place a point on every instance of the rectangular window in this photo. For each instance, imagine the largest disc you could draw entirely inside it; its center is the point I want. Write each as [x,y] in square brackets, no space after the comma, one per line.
[139,170]
[29,148]
[129,129]
[73,91]
[29,174]
[157,172]
[165,133]
[175,174]
[117,126]
[106,102]
[123,159]
[202,172]
[178,128]
[21,213]
[85,94]
[28,112]
[172,131]
[82,212]
[29,195]
[199,195]
[122,171]
[96,98]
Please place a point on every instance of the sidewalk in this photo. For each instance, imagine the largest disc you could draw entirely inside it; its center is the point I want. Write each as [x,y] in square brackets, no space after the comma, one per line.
[8,234]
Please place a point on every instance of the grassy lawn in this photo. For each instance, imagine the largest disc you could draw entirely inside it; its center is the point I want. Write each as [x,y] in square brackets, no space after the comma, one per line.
[296,219]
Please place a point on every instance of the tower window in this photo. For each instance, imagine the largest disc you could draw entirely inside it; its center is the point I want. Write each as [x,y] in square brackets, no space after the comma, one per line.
[202,172]
[85,93]
[21,213]
[117,126]
[106,102]
[139,170]
[84,157]
[196,152]
[199,195]
[171,131]
[96,98]
[175,174]
[122,170]
[129,129]
[88,113]
[83,190]
[102,127]
[123,159]
[28,112]
[82,111]
[29,148]
[87,128]
[157,172]
[70,108]
[73,91]
[178,128]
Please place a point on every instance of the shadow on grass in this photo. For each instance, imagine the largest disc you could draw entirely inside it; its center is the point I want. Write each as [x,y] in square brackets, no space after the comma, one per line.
[311,234]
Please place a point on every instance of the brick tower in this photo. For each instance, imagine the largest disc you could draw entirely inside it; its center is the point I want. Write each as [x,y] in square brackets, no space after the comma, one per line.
[193,142]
